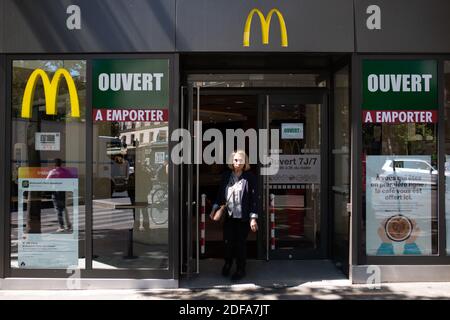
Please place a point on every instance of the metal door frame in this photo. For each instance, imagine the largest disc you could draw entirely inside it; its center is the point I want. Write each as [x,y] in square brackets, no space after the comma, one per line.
[187,195]
[192,199]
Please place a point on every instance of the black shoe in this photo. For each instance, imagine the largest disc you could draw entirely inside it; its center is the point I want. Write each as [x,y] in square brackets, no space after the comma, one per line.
[238,275]
[226,269]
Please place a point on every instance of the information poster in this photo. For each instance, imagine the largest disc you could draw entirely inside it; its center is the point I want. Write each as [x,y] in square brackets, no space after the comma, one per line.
[48,141]
[399,205]
[51,248]
[300,169]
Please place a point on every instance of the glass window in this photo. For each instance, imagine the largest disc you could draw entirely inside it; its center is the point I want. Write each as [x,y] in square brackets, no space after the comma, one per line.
[129,200]
[400,115]
[130,176]
[48,164]
[341,167]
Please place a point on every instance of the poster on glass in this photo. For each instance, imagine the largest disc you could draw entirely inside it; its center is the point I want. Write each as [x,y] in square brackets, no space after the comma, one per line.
[56,245]
[399,203]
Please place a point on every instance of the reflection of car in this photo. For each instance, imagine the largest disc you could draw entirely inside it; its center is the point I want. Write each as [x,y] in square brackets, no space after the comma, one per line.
[447,169]
[412,170]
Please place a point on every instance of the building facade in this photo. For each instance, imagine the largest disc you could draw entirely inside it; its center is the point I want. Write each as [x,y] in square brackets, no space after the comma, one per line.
[113,110]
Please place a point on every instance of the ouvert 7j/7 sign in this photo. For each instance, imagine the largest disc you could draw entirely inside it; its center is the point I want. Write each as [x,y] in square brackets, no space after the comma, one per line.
[130,90]
[400,91]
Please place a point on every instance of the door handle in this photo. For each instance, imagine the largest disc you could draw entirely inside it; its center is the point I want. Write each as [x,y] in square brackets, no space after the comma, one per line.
[193,203]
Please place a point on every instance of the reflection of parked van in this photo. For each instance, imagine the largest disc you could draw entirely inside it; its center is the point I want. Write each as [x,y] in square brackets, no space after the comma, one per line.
[111,169]
[158,155]
[411,170]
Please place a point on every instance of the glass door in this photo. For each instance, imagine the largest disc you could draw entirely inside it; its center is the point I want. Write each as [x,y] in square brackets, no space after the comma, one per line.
[295,196]
[189,215]
[210,110]
[340,159]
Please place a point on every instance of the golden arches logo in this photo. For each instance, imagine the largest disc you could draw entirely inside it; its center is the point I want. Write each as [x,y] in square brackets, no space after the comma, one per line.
[50,92]
[265,27]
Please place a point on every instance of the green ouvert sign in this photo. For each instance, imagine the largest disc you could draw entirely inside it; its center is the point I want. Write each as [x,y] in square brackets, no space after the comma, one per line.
[399,85]
[130,83]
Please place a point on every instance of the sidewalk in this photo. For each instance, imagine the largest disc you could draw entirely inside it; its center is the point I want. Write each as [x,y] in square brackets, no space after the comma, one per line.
[323,290]
[273,280]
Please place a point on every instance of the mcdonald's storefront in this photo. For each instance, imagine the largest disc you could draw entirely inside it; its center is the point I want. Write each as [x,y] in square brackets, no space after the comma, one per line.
[114,126]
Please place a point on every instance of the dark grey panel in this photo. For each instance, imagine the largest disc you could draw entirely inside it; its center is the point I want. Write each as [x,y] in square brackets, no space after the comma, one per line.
[2,25]
[3,180]
[107,26]
[420,26]
[218,25]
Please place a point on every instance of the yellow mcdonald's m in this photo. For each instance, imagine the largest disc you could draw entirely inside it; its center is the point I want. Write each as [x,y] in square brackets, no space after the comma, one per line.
[50,92]
[265,27]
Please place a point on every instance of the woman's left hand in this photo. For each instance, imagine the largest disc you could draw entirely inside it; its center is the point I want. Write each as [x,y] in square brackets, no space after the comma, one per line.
[254,225]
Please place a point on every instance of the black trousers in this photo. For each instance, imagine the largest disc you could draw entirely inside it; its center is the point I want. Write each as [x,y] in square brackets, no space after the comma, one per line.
[235,233]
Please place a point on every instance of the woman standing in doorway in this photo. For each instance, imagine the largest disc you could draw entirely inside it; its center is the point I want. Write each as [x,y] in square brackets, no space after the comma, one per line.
[238,193]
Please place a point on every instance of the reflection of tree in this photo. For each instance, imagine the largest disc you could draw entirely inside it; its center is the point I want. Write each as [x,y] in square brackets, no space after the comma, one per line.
[396,141]
[110,129]
[423,145]
[115,129]
[401,139]
[371,141]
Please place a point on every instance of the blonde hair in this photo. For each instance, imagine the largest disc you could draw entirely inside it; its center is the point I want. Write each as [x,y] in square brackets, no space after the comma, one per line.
[241,153]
